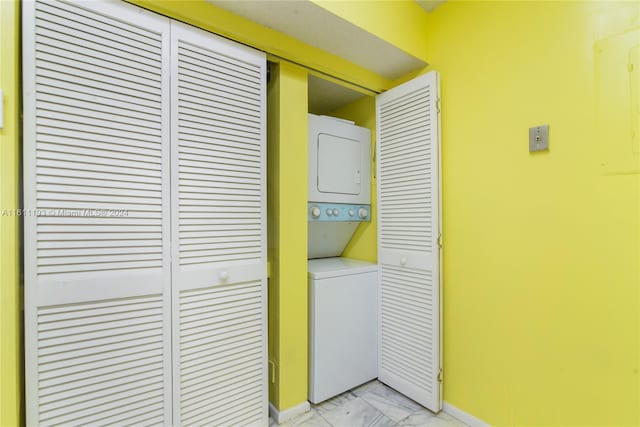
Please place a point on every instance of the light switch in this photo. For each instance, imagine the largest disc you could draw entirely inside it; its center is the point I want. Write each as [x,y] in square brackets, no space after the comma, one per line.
[539,138]
[1,109]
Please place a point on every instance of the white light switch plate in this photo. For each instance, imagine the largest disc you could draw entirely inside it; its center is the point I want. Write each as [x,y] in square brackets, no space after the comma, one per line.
[1,109]
[539,138]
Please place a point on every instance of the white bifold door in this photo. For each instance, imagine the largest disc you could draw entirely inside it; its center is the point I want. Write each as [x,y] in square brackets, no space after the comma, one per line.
[219,231]
[145,262]
[408,171]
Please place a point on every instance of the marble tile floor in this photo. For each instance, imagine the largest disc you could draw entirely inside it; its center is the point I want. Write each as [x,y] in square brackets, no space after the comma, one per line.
[371,405]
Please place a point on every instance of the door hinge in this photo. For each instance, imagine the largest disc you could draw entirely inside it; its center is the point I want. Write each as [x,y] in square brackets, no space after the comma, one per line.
[438,104]
[272,368]
[440,375]
[439,241]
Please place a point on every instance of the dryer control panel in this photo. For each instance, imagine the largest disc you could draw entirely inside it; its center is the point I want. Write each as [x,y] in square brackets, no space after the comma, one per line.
[338,212]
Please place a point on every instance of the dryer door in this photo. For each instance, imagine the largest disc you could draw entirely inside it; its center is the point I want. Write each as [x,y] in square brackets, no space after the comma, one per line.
[339,161]
[339,164]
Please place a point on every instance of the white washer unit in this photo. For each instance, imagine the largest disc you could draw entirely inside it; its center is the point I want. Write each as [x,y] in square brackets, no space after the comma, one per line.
[343,293]
[343,316]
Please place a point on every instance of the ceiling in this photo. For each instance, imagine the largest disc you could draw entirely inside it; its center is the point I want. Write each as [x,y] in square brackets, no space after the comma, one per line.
[318,27]
[325,96]
[315,26]
[429,5]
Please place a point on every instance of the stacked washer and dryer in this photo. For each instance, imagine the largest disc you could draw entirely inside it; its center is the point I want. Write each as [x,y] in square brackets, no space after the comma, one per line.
[343,292]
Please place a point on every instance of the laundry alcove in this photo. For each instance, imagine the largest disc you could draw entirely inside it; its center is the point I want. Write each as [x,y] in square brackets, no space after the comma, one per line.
[406,180]
[145,263]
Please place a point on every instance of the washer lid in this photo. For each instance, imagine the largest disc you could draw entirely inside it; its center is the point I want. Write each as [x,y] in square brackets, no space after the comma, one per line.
[324,268]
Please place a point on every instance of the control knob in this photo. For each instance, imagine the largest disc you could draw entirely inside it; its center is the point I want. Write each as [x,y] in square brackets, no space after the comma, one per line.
[363,212]
[315,212]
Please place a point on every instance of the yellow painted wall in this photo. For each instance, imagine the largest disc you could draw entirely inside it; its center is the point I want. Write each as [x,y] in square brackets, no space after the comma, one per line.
[11,381]
[363,244]
[287,234]
[542,263]
[541,251]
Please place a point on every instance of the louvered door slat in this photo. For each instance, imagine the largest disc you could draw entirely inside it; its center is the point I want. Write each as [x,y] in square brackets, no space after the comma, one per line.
[218,205]
[72,384]
[225,65]
[89,138]
[114,30]
[224,139]
[408,227]
[51,85]
[50,93]
[105,65]
[216,329]
[97,284]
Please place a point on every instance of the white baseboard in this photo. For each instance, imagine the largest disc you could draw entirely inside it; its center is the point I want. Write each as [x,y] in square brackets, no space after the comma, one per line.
[284,416]
[466,418]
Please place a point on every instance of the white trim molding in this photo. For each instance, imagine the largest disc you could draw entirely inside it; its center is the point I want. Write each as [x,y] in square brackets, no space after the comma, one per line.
[466,418]
[288,414]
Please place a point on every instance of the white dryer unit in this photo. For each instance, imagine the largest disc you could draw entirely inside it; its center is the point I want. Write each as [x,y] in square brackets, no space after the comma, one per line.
[339,161]
[339,193]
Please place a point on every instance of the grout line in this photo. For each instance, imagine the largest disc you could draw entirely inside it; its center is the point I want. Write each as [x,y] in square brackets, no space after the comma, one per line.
[350,395]
[325,420]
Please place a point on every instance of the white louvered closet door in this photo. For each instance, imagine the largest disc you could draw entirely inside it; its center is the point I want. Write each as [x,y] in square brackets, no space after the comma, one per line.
[96,179]
[408,230]
[219,231]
